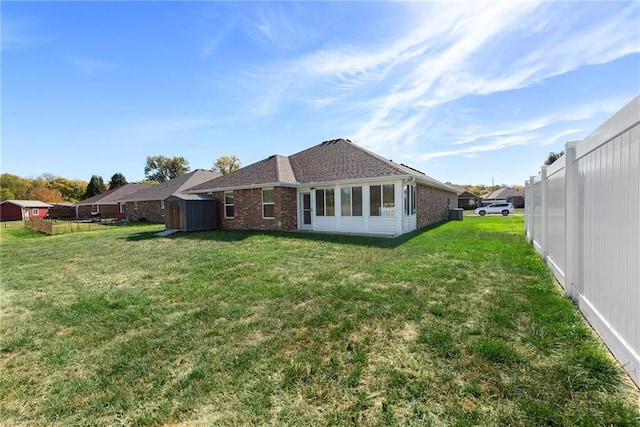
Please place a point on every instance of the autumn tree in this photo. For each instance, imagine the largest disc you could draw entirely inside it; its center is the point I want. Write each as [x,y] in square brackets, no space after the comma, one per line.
[96,186]
[226,164]
[72,190]
[46,195]
[161,168]
[117,180]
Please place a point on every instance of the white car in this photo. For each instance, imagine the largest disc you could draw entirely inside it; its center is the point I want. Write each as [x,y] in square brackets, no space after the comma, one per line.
[495,208]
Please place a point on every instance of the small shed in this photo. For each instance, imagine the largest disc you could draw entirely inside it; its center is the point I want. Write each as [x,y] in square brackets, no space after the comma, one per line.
[11,210]
[191,212]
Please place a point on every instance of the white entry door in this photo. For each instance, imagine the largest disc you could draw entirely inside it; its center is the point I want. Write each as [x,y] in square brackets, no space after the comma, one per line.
[305,211]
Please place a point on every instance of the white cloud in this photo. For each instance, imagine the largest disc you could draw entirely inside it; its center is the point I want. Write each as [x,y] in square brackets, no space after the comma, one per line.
[19,33]
[167,128]
[91,65]
[445,53]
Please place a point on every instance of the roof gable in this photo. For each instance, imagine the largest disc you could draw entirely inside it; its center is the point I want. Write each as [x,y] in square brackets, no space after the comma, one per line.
[272,170]
[171,187]
[110,197]
[502,193]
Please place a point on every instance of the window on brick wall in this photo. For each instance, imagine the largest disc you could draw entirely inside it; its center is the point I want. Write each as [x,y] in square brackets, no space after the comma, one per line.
[229,207]
[325,202]
[268,205]
[351,201]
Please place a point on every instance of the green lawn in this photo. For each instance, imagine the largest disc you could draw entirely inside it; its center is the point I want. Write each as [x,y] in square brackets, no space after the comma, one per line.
[460,324]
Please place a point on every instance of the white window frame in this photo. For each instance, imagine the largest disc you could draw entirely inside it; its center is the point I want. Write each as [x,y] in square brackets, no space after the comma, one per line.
[161,207]
[410,199]
[350,201]
[232,205]
[385,211]
[323,212]
[272,203]
[35,211]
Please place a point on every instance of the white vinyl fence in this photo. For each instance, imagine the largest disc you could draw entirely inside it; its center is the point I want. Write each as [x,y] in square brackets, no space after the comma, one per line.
[583,217]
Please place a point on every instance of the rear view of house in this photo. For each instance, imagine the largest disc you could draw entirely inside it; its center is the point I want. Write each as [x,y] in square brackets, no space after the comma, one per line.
[335,186]
[15,210]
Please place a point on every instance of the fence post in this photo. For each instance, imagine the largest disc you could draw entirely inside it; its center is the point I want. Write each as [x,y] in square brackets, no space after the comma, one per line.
[572,222]
[532,208]
[544,239]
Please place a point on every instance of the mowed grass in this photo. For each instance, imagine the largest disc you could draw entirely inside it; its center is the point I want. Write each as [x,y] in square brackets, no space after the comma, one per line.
[460,324]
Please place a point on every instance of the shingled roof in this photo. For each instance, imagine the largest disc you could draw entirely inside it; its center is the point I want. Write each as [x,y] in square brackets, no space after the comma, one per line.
[330,161]
[502,194]
[110,197]
[28,203]
[171,187]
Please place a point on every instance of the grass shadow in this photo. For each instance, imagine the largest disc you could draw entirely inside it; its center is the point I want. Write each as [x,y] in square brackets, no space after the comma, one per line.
[349,239]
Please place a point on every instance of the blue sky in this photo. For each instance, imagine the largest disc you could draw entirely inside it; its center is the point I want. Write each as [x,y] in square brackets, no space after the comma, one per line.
[471,93]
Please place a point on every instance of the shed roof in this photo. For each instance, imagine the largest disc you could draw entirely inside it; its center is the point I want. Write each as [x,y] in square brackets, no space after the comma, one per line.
[183,196]
[28,203]
[111,197]
[173,186]
[331,161]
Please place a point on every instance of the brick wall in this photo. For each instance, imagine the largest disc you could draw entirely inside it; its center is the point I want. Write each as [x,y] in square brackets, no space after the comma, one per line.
[150,210]
[106,211]
[248,210]
[432,205]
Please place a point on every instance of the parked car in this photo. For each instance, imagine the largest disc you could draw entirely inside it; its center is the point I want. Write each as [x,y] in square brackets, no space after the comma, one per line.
[495,208]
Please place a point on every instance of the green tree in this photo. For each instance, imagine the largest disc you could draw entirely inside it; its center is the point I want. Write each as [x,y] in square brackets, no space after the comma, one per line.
[72,190]
[96,186]
[14,187]
[226,164]
[161,168]
[552,157]
[117,180]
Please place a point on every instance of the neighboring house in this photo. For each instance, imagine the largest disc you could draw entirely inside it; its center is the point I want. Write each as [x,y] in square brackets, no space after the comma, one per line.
[62,211]
[148,204]
[335,186]
[14,210]
[511,195]
[466,199]
[105,204]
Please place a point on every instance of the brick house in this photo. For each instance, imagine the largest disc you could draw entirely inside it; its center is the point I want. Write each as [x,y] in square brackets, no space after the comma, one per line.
[106,203]
[335,186]
[148,204]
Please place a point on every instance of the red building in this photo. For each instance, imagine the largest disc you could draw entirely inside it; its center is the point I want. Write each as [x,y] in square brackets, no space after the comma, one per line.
[13,210]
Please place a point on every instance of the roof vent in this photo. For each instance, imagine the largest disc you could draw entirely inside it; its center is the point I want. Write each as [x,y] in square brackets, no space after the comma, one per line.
[413,169]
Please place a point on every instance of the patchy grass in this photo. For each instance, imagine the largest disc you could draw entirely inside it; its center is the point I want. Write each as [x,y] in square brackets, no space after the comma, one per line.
[460,324]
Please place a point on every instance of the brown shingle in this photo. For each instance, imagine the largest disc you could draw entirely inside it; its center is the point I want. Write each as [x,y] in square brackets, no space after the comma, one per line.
[330,161]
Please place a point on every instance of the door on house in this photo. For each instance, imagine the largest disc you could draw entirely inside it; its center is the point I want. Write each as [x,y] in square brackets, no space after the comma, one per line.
[305,211]
[174,216]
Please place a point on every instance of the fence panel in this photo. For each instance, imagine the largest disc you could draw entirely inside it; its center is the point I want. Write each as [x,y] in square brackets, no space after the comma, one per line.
[583,218]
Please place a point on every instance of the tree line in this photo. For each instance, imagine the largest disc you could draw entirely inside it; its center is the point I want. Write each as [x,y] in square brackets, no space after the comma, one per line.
[49,188]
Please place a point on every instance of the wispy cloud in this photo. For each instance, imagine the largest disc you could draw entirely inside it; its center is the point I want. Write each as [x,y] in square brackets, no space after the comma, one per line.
[168,128]
[91,65]
[541,130]
[19,33]
[445,53]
